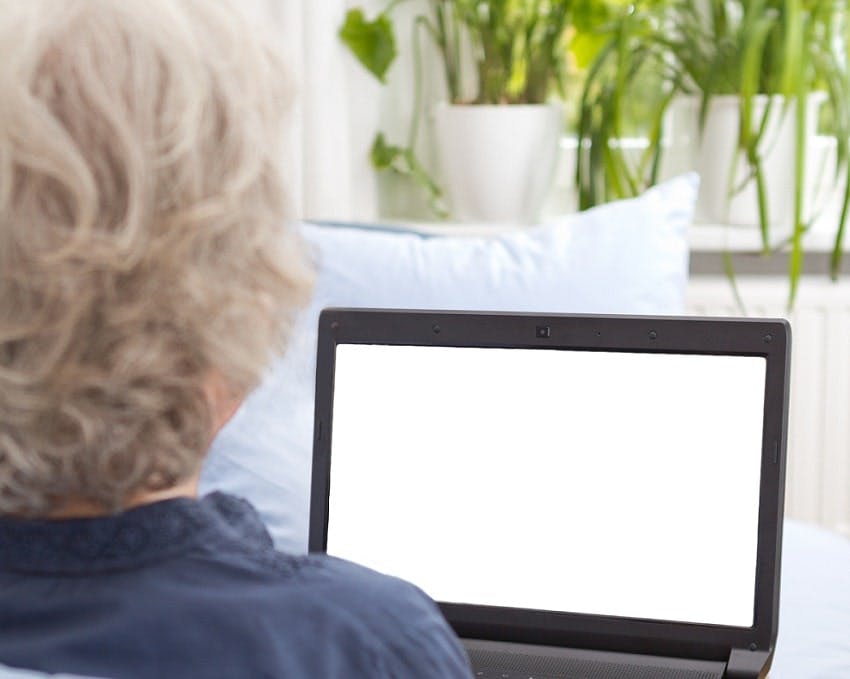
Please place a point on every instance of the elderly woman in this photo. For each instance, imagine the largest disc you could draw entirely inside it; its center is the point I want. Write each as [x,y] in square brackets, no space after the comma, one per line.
[146,279]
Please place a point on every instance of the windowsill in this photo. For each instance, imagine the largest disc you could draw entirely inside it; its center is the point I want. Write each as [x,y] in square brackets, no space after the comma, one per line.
[747,239]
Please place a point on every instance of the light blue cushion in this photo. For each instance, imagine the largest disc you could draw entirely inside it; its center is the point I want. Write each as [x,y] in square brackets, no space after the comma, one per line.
[628,257]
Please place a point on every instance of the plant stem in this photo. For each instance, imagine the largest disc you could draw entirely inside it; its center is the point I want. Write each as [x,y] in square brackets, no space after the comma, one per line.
[795,258]
[413,132]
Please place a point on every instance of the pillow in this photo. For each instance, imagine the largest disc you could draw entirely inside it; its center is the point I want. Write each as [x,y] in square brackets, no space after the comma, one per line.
[627,257]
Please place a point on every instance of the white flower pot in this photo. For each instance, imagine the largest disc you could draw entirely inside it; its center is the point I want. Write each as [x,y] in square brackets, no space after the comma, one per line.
[497,162]
[723,171]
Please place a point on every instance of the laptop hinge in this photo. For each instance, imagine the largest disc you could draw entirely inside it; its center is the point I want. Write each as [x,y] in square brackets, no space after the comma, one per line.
[747,664]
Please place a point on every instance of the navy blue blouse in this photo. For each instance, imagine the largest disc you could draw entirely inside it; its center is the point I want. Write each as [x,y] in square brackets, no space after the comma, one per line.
[194,588]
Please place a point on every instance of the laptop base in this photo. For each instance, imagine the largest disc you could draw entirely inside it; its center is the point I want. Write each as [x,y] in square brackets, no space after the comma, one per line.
[505,660]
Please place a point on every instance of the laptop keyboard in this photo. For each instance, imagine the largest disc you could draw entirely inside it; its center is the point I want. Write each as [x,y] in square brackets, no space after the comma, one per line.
[498,674]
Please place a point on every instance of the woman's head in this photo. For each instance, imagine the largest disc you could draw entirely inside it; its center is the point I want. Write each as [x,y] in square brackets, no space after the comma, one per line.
[142,240]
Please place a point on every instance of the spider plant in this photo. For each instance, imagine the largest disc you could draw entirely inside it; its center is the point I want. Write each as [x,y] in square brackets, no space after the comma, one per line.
[714,47]
[628,64]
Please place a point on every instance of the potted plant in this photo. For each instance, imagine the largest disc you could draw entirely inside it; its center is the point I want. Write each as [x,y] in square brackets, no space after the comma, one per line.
[755,68]
[497,133]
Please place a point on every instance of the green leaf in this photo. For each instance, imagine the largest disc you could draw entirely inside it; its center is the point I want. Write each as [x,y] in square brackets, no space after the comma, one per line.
[383,155]
[372,42]
[793,56]
[585,46]
[589,15]
[837,248]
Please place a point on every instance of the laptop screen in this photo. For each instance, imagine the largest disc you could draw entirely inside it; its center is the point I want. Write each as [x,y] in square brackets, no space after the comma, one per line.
[598,482]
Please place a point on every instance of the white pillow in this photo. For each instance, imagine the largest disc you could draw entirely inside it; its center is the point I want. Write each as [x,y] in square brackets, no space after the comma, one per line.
[627,257]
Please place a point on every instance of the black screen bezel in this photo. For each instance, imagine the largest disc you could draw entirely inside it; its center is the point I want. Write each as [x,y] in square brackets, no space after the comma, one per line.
[769,338]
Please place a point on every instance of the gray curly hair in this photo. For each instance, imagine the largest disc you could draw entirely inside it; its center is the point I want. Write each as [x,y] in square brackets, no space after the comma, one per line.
[142,239]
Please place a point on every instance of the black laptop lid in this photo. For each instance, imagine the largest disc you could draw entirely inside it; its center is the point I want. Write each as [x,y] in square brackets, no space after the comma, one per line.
[604,482]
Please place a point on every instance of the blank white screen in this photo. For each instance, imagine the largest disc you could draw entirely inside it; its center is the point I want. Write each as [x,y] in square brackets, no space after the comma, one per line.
[606,483]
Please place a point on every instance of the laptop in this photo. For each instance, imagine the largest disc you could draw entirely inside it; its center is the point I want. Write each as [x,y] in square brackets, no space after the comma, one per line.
[586,497]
